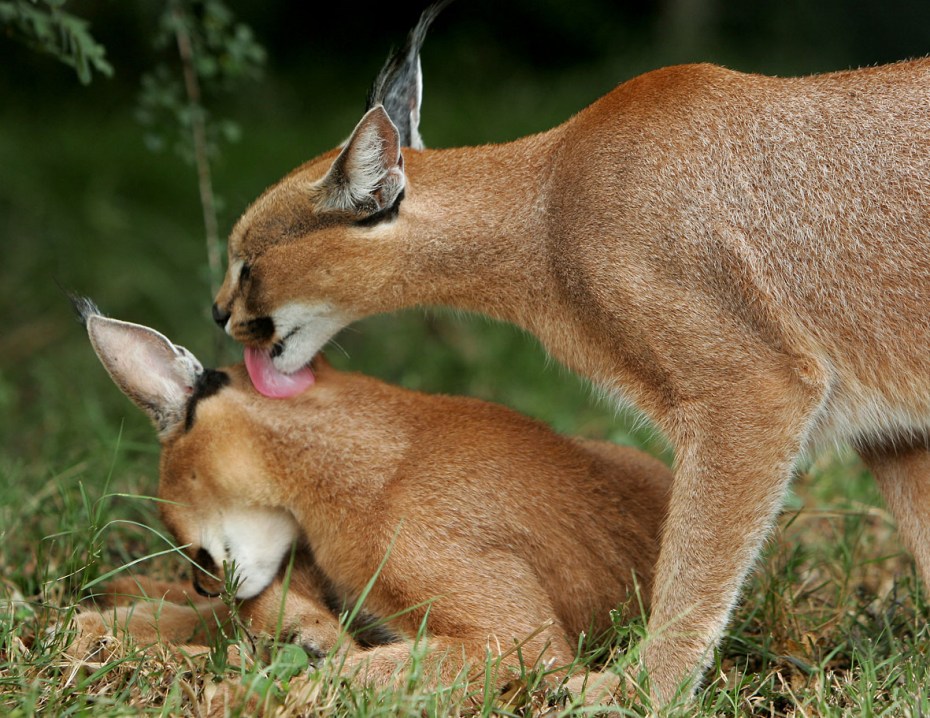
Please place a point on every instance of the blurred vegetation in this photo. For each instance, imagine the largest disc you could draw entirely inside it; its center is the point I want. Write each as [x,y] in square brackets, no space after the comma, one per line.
[85,204]
[46,26]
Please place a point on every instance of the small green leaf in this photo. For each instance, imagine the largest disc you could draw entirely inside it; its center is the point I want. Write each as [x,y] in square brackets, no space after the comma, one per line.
[291,659]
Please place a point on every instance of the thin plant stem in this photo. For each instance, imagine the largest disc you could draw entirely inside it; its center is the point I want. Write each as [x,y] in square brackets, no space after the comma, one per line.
[199,137]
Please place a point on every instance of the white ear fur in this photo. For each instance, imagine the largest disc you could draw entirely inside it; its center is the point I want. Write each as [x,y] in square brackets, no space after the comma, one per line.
[416,141]
[155,374]
[368,174]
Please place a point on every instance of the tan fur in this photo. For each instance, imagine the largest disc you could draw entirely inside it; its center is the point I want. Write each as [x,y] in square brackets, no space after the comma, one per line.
[170,621]
[171,616]
[482,527]
[745,258]
[493,526]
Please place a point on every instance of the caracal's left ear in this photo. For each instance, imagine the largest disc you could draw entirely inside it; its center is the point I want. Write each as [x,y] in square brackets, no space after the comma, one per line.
[368,175]
[158,376]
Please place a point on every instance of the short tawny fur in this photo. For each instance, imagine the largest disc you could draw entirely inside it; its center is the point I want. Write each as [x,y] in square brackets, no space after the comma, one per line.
[479,525]
[493,525]
[172,617]
[744,258]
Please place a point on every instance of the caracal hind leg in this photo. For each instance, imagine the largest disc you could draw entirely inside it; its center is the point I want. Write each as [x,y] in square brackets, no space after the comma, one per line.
[148,623]
[130,589]
[449,661]
[486,605]
[736,453]
[902,470]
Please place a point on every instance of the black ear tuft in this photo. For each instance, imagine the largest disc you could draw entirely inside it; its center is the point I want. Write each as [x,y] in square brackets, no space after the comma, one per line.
[399,85]
[84,307]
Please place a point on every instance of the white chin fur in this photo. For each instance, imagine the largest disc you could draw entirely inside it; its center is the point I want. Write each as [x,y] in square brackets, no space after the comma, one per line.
[303,330]
[258,540]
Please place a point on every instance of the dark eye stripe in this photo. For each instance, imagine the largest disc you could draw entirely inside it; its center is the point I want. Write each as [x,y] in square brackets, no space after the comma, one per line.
[245,273]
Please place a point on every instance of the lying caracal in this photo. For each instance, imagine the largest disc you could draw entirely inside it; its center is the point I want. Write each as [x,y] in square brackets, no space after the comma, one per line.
[744,258]
[492,528]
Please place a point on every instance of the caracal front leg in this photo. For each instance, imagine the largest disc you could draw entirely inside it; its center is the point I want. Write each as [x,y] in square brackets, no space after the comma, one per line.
[298,613]
[736,453]
[902,470]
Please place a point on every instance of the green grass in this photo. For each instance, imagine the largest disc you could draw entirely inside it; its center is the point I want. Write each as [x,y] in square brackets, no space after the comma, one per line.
[833,622]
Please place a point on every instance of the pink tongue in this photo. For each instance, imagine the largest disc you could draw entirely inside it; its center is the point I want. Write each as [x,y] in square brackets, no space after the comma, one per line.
[268,381]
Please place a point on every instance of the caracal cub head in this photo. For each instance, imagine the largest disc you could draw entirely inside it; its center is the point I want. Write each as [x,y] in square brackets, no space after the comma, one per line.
[213,496]
[340,215]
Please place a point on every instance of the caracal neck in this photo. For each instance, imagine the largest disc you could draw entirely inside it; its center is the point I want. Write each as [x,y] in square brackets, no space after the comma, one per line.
[476,221]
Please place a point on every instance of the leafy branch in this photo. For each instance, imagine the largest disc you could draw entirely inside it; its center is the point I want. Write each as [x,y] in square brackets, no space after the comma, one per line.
[209,52]
[45,26]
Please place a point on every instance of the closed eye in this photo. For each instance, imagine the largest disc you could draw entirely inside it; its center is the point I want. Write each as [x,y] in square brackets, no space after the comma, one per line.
[205,562]
[245,272]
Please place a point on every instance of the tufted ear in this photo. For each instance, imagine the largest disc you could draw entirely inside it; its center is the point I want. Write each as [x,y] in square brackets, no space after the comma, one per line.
[158,376]
[368,175]
[399,85]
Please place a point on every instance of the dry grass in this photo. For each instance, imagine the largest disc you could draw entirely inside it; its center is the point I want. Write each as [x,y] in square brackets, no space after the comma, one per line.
[833,623]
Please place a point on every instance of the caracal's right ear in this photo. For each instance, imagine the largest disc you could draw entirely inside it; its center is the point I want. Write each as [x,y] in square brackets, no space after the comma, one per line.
[399,85]
[158,376]
[367,178]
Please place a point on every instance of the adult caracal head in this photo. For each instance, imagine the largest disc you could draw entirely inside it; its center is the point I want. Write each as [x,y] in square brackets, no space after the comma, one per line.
[477,520]
[743,257]
[326,215]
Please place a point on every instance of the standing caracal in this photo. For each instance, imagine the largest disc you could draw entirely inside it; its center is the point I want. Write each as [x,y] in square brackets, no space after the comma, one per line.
[744,258]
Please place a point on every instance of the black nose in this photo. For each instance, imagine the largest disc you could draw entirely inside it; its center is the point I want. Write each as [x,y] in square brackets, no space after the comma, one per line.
[205,561]
[220,316]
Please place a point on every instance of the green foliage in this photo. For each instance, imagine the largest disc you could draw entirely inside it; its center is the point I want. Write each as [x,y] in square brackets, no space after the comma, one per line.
[206,53]
[214,53]
[48,27]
